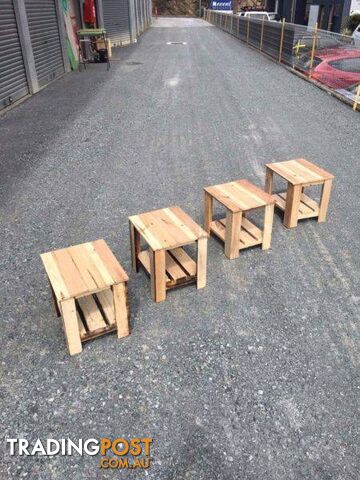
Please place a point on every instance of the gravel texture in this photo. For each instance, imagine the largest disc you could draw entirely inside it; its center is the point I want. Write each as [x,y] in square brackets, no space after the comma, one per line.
[254,377]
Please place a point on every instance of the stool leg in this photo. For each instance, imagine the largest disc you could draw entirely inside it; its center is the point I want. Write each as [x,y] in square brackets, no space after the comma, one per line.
[269,181]
[292,205]
[71,326]
[121,313]
[135,246]
[232,234]
[158,274]
[208,212]
[201,262]
[268,224]
[324,202]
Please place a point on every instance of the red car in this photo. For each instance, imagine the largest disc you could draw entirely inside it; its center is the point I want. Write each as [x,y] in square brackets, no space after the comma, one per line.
[335,67]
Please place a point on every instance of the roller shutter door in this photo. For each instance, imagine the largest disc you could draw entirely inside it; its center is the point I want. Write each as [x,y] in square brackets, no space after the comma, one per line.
[45,39]
[13,81]
[117,21]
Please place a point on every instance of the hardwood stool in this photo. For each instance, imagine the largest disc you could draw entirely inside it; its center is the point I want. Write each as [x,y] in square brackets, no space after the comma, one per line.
[89,288]
[166,231]
[299,174]
[239,197]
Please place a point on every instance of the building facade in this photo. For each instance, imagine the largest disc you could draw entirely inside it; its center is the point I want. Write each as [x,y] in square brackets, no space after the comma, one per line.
[330,13]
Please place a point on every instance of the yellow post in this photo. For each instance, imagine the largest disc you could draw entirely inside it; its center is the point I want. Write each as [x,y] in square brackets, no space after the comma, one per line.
[357,98]
[248,29]
[313,50]
[262,33]
[281,39]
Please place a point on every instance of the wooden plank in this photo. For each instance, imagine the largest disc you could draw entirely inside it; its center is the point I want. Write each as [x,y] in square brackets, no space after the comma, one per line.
[312,204]
[285,170]
[135,245]
[269,181]
[121,312]
[99,264]
[54,275]
[268,224]
[229,192]
[158,275]
[82,329]
[146,231]
[185,260]
[93,317]
[197,231]
[71,326]
[113,266]
[279,201]
[252,229]
[291,215]
[232,234]
[307,208]
[172,268]
[224,197]
[247,240]
[208,210]
[106,300]
[69,272]
[201,262]
[257,193]
[324,202]
[169,229]
[92,279]
[144,258]
[218,229]
[323,174]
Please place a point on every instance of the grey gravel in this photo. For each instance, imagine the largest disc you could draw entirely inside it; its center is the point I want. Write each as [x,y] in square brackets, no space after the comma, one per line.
[254,377]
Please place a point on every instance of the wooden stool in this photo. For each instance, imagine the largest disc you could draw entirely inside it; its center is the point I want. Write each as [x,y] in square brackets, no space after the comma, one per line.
[235,230]
[166,231]
[299,174]
[89,288]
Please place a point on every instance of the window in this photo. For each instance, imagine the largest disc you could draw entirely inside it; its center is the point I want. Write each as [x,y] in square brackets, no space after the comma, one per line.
[347,65]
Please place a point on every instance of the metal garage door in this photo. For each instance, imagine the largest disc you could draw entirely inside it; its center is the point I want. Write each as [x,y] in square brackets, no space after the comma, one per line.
[45,39]
[13,81]
[117,21]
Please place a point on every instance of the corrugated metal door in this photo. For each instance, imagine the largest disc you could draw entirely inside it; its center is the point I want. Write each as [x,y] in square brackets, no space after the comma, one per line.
[117,21]
[13,81]
[45,39]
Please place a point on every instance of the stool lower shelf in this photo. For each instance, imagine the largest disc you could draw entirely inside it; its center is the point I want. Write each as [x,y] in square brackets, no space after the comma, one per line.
[250,234]
[96,314]
[308,208]
[180,267]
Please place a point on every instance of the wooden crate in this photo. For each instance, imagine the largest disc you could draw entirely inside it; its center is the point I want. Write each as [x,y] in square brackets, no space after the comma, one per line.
[180,267]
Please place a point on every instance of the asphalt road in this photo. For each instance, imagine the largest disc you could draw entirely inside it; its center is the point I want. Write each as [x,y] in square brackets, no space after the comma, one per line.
[254,377]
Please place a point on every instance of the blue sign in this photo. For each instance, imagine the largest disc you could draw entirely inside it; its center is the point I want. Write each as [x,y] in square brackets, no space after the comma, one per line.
[221,5]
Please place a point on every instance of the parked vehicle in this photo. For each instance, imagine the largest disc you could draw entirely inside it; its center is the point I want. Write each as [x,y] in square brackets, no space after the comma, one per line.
[335,67]
[356,36]
[257,15]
